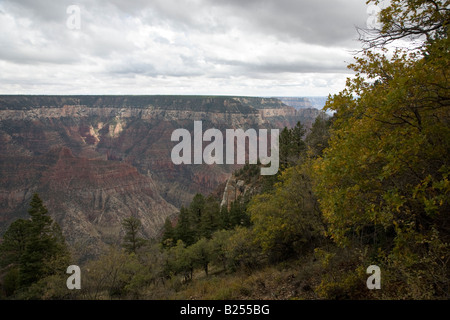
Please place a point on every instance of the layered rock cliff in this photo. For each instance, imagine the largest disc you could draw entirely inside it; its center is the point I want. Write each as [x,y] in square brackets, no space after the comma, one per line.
[96,160]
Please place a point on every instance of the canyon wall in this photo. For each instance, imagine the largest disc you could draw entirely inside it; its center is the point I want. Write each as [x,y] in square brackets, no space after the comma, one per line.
[96,160]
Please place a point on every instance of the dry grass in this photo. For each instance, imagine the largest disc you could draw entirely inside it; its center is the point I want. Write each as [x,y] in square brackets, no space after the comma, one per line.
[286,281]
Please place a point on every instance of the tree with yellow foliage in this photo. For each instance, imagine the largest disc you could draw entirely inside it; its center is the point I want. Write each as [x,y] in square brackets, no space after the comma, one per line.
[384,179]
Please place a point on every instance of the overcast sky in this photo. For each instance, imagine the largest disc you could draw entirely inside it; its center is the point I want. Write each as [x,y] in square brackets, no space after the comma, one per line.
[213,47]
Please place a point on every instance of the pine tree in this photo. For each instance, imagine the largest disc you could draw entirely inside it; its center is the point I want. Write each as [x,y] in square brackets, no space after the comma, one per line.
[11,251]
[297,144]
[132,241]
[285,138]
[169,238]
[291,144]
[224,218]
[196,210]
[209,219]
[45,252]
[14,242]
[183,230]
[238,215]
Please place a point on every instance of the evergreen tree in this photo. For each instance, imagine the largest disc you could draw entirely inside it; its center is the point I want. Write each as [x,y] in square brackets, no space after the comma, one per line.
[284,142]
[132,241]
[224,218]
[291,144]
[209,221]
[238,215]
[14,242]
[11,251]
[183,230]
[196,210]
[297,143]
[45,251]
[169,237]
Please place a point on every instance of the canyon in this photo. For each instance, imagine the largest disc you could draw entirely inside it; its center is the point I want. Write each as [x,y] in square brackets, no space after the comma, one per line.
[96,160]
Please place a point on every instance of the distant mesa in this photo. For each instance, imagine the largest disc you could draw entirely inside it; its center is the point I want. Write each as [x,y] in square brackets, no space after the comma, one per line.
[304,102]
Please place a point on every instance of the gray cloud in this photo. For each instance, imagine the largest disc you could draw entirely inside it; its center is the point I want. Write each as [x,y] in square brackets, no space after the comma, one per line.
[319,22]
[181,42]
